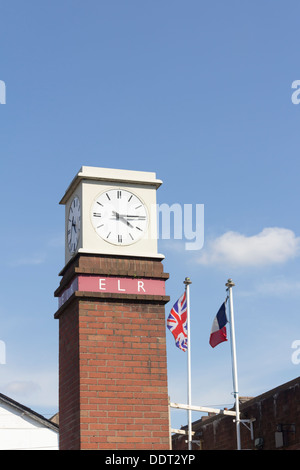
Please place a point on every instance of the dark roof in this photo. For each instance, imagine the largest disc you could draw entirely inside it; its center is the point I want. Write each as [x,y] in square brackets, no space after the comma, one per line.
[245,402]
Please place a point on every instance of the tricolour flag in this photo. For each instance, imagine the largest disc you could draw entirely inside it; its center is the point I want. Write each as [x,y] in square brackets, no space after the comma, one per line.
[218,331]
[177,322]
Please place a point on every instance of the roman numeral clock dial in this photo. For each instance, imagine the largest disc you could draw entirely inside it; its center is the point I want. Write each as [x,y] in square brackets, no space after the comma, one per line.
[119,217]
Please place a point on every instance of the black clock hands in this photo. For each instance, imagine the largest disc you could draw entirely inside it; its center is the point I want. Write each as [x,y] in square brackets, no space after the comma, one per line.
[122,217]
[137,217]
[74,225]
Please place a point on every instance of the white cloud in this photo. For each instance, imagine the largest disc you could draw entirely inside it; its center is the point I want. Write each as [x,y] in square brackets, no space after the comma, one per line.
[273,287]
[21,388]
[279,287]
[271,246]
[35,387]
[33,260]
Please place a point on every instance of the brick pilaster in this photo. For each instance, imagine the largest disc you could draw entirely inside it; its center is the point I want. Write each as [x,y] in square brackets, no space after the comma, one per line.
[113,369]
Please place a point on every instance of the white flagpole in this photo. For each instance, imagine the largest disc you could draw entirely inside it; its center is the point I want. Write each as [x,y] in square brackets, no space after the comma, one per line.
[229,286]
[187,283]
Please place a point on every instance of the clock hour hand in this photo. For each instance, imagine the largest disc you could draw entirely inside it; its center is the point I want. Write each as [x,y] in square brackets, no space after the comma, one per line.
[121,217]
[74,225]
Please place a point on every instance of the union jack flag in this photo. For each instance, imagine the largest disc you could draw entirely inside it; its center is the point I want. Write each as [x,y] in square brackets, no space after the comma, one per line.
[177,322]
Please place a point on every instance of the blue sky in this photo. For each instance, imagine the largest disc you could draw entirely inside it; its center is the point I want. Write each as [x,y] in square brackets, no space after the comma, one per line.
[198,92]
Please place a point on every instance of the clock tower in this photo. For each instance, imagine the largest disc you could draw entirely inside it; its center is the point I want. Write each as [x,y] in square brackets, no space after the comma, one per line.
[113,390]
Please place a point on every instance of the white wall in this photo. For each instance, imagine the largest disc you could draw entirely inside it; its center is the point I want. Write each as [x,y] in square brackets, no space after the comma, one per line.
[20,432]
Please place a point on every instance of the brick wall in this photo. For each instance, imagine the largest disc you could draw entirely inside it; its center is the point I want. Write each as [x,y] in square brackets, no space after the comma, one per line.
[69,424]
[113,367]
[123,378]
[277,410]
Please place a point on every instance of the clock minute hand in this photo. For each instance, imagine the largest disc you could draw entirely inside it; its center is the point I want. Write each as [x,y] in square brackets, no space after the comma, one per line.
[118,217]
[139,217]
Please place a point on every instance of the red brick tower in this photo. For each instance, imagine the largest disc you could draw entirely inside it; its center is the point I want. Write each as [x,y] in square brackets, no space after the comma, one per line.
[112,347]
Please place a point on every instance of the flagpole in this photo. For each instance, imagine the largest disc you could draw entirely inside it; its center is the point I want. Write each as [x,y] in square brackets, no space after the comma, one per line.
[229,286]
[187,283]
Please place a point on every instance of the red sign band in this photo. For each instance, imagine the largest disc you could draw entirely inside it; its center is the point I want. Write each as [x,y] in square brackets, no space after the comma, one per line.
[114,285]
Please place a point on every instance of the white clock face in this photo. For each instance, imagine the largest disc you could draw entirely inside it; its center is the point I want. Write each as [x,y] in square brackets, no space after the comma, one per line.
[119,217]
[73,226]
